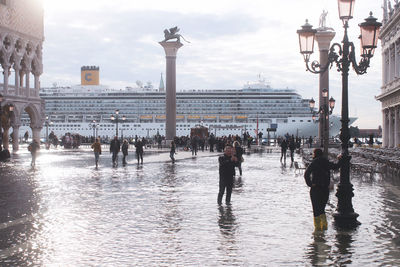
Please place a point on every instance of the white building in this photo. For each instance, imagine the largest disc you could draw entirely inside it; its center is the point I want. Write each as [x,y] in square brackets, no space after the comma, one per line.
[390,91]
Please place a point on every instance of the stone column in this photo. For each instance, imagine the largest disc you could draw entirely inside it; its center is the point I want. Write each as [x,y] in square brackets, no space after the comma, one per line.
[6,71]
[324,38]
[15,136]
[396,127]
[37,85]
[27,85]
[391,128]
[171,49]
[5,137]
[385,134]
[17,82]
[36,133]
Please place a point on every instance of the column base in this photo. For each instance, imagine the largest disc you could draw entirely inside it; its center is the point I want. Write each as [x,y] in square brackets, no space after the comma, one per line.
[346,220]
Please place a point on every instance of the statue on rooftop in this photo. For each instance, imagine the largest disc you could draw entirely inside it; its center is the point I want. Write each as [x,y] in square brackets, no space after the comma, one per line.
[172,33]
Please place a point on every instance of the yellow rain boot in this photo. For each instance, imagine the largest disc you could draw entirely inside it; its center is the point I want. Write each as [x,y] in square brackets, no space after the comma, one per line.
[324,223]
[317,223]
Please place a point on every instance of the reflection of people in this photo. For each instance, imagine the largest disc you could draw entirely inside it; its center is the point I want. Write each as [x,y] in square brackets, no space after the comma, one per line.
[33,148]
[227,164]
[319,250]
[317,176]
[226,220]
[172,151]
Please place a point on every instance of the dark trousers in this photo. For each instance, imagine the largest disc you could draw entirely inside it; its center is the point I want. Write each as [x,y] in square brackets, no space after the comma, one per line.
[283,154]
[139,155]
[115,158]
[222,185]
[292,155]
[211,147]
[124,158]
[319,198]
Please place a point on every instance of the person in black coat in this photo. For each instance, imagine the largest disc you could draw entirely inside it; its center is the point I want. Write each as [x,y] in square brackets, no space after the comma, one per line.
[115,147]
[292,148]
[124,149]
[139,151]
[317,177]
[227,164]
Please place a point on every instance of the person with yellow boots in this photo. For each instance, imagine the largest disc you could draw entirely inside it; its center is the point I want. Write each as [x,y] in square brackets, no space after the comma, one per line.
[317,176]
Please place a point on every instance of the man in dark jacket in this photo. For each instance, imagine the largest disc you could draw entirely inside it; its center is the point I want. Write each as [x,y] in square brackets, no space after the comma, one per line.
[139,151]
[115,147]
[227,164]
[317,176]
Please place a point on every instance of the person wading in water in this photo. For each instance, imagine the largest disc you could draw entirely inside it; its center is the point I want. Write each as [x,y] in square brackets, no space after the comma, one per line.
[227,164]
[317,176]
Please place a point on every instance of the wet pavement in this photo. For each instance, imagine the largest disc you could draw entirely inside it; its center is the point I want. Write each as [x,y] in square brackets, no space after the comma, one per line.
[65,212]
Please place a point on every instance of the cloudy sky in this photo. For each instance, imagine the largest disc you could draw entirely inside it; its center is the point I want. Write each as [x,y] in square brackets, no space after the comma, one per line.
[232,41]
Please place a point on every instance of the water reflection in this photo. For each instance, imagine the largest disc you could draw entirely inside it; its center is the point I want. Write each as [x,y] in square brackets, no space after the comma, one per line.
[319,250]
[344,240]
[227,222]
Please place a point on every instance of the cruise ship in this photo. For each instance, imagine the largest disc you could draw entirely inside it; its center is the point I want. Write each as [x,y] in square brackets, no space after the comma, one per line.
[86,109]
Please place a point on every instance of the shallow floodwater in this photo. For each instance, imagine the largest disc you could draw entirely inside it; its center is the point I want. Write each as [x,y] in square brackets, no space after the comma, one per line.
[64,212]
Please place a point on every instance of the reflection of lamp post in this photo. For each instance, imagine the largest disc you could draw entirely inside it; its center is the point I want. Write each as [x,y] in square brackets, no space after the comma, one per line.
[345,216]
[1,127]
[47,123]
[116,119]
[324,112]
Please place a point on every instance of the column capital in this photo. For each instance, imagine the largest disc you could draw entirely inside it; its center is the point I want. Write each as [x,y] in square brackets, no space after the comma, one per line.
[171,48]
[324,37]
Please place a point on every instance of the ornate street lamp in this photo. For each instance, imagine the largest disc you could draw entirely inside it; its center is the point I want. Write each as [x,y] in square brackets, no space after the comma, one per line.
[116,119]
[94,126]
[345,216]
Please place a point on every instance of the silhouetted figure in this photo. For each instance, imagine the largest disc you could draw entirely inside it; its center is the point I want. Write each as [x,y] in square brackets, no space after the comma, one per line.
[96,146]
[139,151]
[317,176]
[172,151]
[226,172]
[124,149]
[115,147]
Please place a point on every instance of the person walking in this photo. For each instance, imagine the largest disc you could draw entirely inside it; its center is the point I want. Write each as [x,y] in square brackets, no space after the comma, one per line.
[139,151]
[96,146]
[317,177]
[172,151]
[226,172]
[284,147]
[124,149]
[33,148]
[115,147]
[239,156]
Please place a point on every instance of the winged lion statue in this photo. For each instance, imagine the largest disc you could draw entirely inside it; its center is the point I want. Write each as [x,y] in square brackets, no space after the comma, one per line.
[172,33]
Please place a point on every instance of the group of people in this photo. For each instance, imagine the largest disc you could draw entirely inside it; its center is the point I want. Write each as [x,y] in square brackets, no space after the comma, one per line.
[115,148]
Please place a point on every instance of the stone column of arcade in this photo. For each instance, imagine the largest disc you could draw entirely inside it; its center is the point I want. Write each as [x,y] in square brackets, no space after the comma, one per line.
[171,49]
[36,133]
[324,37]
[15,135]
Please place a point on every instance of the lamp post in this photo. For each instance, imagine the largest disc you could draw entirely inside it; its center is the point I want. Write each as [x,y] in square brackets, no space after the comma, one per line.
[324,112]
[345,216]
[94,126]
[116,119]
[47,124]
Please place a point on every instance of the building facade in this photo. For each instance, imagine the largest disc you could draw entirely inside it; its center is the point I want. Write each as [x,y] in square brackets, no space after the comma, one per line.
[390,91]
[21,39]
